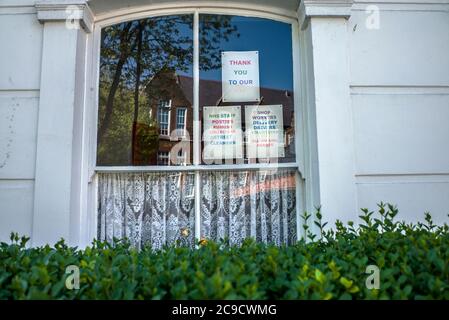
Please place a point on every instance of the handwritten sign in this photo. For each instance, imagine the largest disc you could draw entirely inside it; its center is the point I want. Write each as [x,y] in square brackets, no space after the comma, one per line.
[222,133]
[265,131]
[240,76]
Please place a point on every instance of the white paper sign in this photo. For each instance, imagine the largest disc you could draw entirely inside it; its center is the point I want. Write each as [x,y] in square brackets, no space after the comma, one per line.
[240,76]
[265,131]
[222,133]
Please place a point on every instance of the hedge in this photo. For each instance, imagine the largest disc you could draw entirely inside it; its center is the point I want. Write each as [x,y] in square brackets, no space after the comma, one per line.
[328,264]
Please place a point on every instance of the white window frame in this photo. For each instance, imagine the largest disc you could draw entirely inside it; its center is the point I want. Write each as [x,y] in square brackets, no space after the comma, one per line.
[165,157]
[185,121]
[160,107]
[301,128]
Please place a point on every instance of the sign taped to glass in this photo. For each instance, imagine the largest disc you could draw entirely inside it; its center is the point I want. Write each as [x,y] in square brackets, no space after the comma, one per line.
[222,133]
[264,128]
[240,76]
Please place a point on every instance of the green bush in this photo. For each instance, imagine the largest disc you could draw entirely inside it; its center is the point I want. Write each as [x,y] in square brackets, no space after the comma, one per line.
[412,259]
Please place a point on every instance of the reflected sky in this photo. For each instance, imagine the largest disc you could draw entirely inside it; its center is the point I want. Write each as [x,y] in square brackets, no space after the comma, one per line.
[273,40]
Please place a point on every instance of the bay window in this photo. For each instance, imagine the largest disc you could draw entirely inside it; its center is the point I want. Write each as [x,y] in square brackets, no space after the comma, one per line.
[219,160]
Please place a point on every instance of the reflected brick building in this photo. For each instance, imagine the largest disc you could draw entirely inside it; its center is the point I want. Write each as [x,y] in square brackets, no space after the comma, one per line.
[170,98]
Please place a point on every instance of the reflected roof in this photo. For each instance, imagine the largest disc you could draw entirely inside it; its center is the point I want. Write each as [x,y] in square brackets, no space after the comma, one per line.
[210,95]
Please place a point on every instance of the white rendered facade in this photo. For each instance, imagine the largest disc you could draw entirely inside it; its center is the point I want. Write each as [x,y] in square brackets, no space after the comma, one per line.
[372,79]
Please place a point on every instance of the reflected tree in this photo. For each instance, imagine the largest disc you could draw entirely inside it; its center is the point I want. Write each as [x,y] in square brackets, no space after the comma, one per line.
[132,53]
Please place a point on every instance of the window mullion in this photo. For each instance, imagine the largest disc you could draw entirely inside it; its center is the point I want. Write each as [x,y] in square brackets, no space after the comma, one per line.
[196,123]
[196,85]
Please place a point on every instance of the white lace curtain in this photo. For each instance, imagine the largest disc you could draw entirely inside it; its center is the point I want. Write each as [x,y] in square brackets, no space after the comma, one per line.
[147,208]
[257,204]
[158,208]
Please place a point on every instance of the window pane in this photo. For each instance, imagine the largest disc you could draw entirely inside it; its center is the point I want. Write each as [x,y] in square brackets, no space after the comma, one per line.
[163,158]
[180,118]
[181,121]
[152,209]
[163,116]
[145,76]
[241,204]
[270,136]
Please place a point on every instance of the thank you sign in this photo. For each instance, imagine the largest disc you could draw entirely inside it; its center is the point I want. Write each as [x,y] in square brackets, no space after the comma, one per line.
[240,76]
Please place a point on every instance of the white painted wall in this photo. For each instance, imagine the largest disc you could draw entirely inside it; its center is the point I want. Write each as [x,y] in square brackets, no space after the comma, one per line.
[380,131]
[20,61]
[400,106]
[42,84]
[328,40]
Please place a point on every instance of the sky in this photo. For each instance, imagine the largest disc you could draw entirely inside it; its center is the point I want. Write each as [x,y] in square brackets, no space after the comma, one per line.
[273,40]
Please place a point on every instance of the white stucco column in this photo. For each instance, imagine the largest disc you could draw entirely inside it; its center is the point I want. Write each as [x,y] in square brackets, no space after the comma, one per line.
[324,38]
[61,105]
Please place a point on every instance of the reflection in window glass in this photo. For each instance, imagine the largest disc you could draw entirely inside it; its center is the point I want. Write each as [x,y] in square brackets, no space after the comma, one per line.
[145,118]
[143,67]
[163,158]
[180,118]
[271,42]
[182,158]
[163,115]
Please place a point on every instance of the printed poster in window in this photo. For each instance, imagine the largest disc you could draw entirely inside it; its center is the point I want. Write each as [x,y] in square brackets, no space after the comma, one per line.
[240,76]
[222,133]
[265,131]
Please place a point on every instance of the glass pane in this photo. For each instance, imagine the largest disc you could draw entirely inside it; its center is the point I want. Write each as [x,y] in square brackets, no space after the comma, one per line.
[145,77]
[240,204]
[153,209]
[246,91]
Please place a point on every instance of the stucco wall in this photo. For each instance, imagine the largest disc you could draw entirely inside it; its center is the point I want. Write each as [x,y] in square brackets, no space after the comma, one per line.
[399,88]
[20,64]
[400,105]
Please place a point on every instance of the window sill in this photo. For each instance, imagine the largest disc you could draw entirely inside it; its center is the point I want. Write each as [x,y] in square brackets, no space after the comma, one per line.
[254,166]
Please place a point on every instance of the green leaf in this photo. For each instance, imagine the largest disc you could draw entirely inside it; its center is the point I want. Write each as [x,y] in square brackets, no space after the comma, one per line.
[319,276]
[346,282]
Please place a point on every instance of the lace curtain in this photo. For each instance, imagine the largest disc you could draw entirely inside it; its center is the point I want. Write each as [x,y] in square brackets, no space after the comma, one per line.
[257,204]
[158,208]
[147,208]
